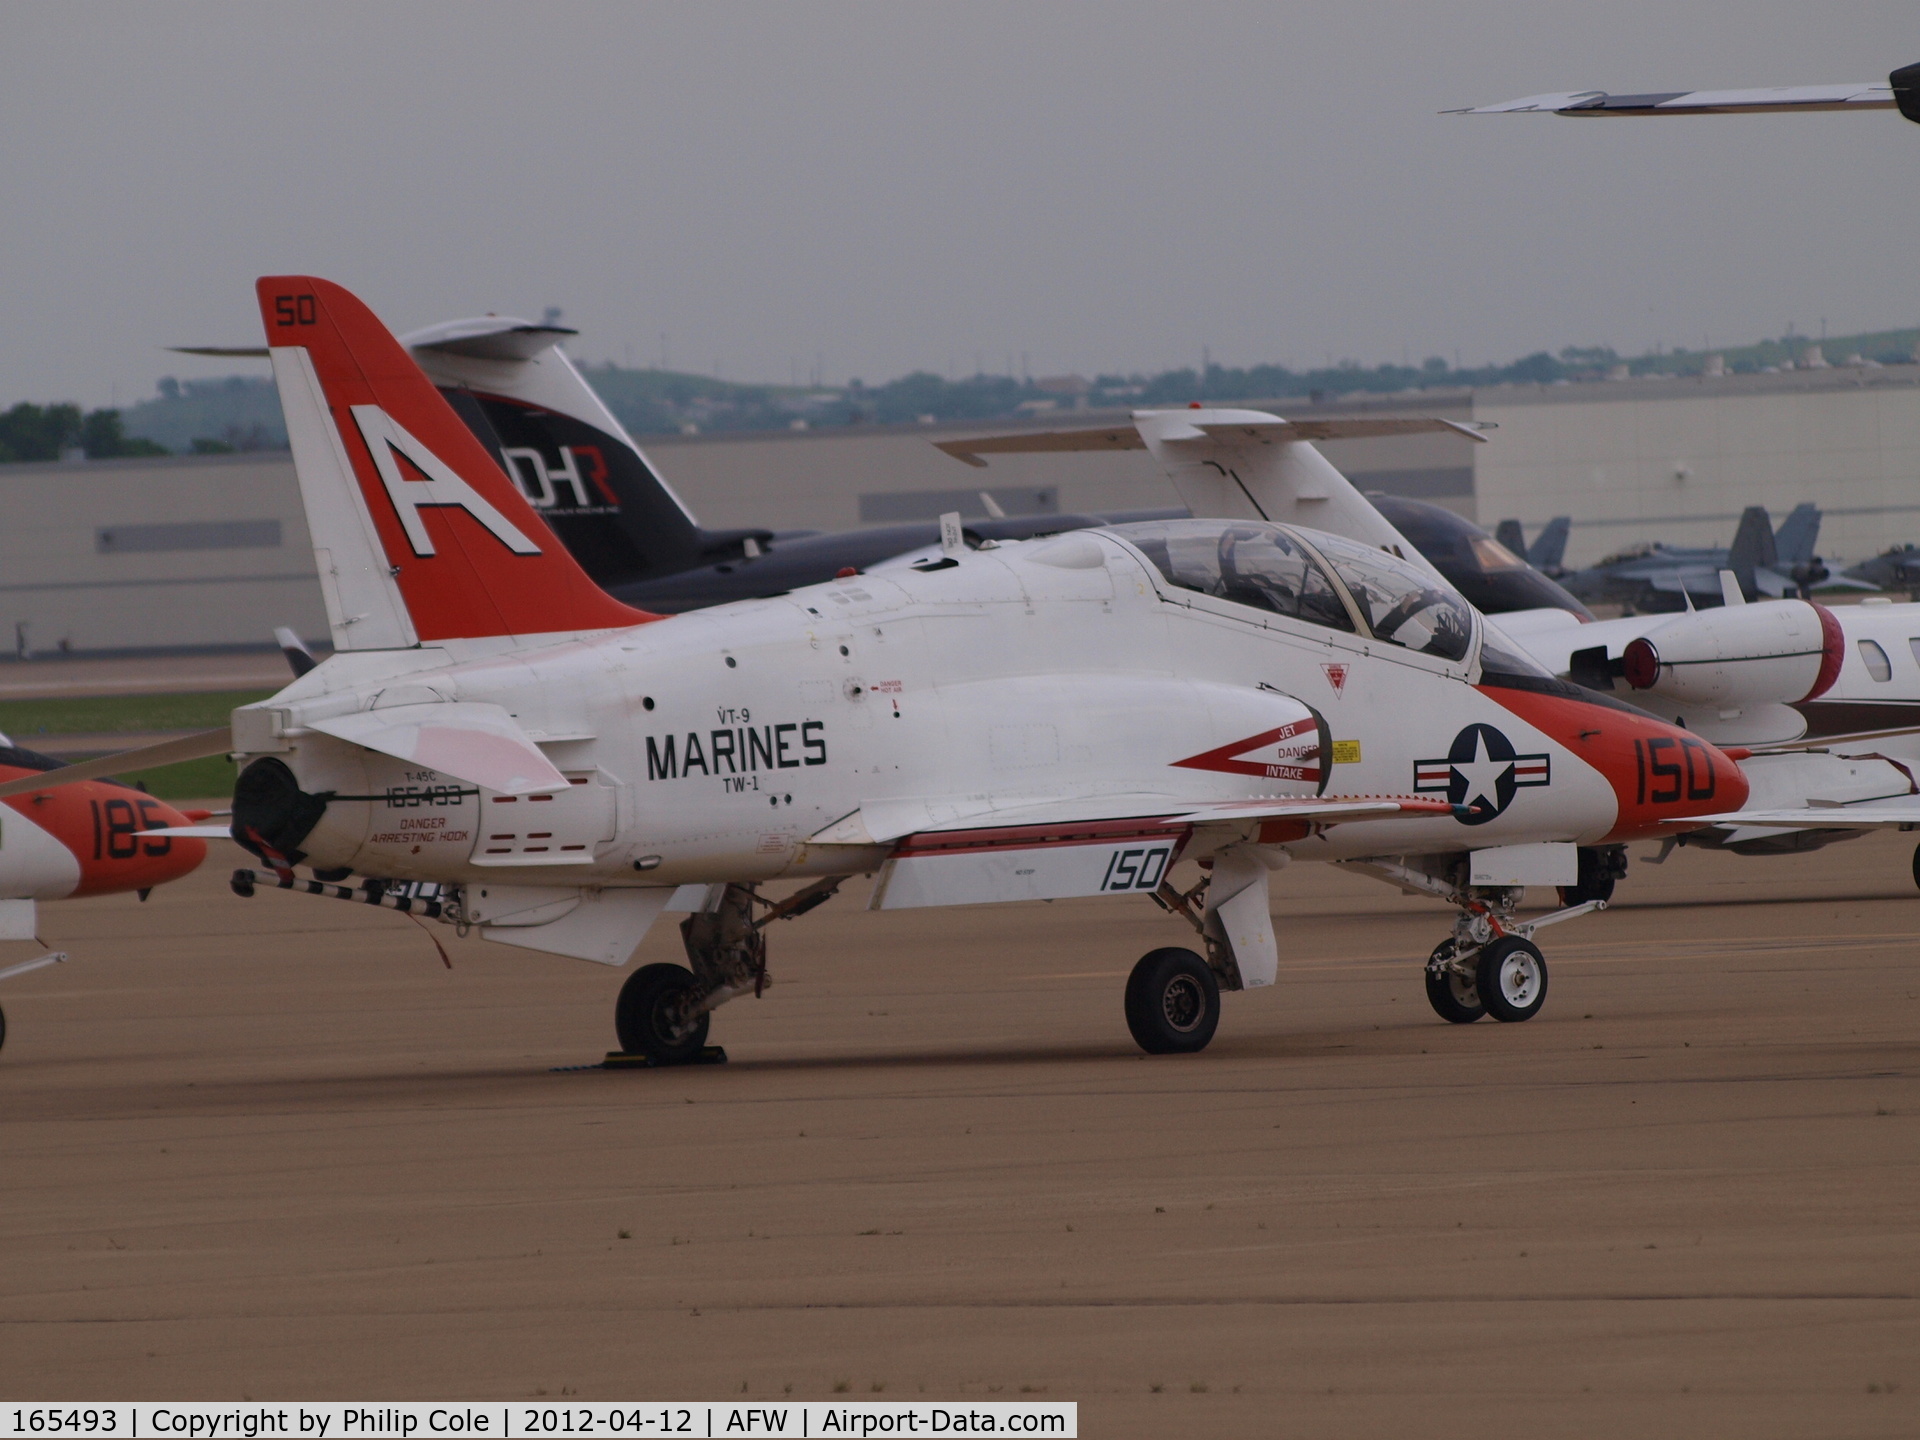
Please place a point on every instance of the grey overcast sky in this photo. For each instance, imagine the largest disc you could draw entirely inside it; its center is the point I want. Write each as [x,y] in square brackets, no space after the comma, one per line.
[883,187]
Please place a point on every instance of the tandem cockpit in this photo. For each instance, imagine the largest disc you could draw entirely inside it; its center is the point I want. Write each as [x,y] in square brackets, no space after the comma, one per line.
[1309,576]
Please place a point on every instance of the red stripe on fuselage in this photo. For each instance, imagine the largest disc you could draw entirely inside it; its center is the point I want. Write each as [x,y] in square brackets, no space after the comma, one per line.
[1658,772]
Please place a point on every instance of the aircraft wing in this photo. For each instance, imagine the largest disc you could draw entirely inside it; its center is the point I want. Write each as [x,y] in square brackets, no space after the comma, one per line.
[1865,95]
[1867,815]
[1050,852]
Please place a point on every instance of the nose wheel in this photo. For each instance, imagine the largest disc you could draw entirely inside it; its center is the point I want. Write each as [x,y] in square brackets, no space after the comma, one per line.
[1511,979]
[1454,993]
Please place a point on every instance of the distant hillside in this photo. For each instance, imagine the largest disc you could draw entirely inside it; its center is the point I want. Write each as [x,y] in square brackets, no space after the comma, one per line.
[237,412]
[242,412]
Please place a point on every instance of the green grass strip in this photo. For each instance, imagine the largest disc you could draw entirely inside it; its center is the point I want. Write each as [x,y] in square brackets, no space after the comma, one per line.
[109,714]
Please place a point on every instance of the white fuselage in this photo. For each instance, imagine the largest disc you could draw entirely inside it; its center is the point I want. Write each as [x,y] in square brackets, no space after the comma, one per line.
[712,746]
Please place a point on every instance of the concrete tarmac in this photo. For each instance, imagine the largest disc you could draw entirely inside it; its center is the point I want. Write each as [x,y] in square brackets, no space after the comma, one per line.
[271,1148]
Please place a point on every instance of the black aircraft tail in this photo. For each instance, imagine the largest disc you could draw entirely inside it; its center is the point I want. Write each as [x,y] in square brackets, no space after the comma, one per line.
[520,394]
[1752,549]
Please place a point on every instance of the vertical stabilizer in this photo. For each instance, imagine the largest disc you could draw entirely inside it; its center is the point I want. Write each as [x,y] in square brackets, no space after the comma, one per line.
[1232,464]
[1549,548]
[1752,549]
[1509,534]
[418,534]
[1793,543]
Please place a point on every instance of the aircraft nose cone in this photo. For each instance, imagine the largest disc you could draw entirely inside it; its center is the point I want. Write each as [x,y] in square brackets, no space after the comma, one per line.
[1661,773]
[1658,772]
[101,825]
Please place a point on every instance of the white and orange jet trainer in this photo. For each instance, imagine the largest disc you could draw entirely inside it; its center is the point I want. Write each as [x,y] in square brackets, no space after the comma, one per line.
[1073,716]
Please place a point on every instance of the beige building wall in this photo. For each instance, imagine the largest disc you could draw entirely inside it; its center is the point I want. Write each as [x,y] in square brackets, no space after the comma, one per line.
[163,553]
[1678,460]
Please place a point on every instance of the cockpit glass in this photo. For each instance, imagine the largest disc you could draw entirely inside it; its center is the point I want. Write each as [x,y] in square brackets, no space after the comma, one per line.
[1493,556]
[1248,561]
[1501,656]
[1402,603]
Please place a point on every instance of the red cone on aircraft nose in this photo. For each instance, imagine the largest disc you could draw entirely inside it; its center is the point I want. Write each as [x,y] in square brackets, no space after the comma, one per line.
[1833,650]
[1640,664]
[1659,773]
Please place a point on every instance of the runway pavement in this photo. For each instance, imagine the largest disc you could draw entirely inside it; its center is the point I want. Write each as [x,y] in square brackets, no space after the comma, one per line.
[272,1148]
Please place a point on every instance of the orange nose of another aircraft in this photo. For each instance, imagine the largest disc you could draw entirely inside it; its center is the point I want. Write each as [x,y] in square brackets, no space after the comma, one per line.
[100,823]
[1659,773]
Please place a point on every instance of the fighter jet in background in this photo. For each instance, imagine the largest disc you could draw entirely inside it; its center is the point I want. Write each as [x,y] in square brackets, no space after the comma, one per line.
[1897,568]
[1549,548]
[1654,578]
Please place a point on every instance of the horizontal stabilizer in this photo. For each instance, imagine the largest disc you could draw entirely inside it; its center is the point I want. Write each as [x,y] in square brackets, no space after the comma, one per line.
[481,744]
[491,337]
[1127,437]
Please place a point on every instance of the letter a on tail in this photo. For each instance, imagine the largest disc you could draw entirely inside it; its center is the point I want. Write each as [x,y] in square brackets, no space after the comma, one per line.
[418,534]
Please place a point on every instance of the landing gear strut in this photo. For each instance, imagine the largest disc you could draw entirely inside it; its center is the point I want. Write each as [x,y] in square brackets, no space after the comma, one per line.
[1490,966]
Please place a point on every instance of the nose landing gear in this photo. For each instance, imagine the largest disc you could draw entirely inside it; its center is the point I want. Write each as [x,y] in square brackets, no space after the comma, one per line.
[1490,966]
[1453,992]
[1511,978]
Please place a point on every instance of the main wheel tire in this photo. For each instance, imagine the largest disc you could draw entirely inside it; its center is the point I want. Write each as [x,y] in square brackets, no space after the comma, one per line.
[1512,979]
[1455,997]
[3,1028]
[643,1015]
[1916,865]
[1173,1002]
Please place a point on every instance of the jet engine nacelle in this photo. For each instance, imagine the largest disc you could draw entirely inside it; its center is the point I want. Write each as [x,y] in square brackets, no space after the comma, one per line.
[1739,655]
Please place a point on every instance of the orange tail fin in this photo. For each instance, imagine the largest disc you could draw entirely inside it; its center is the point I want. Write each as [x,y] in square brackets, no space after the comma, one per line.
[418,534]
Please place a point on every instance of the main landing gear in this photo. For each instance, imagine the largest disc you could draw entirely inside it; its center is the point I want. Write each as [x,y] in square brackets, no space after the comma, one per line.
[1490,965]
[1173,1002]
[1173,995]
[664,1010]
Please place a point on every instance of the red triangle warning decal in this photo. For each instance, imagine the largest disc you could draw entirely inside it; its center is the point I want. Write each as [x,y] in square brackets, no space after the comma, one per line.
[1336,677]
[1290,753]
